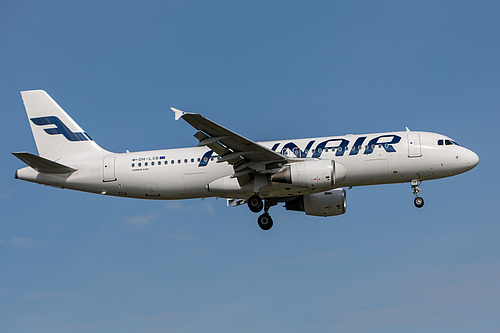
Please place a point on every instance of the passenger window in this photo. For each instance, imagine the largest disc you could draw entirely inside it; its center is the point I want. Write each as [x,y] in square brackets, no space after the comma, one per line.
[199,159]
[146,164]
[185,160]
[166,162]
[179,161]
[133,165]
[172,161]
[159,162]
[192,160]
[139,164]
[152,163]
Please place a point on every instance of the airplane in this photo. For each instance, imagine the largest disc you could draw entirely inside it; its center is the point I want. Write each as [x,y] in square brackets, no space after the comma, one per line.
[307,175]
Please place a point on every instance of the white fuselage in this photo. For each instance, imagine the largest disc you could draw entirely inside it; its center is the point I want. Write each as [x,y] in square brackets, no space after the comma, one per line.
[184,173]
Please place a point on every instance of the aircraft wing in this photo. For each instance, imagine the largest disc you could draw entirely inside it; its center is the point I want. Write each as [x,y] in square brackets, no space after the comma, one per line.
[245,155]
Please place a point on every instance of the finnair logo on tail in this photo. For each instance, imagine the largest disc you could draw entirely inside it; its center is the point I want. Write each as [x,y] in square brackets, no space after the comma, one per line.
[60,128]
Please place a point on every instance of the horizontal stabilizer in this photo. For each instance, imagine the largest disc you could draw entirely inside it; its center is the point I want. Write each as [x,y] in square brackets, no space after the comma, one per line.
[41,164]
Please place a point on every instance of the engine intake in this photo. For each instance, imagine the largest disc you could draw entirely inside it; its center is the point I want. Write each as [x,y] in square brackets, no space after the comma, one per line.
[311,174]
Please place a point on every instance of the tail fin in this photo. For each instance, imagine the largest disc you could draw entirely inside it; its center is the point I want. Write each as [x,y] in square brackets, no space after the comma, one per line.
[56,134]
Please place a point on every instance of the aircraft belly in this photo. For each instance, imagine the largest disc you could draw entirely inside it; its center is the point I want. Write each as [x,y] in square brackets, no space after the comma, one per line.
[170,184]
[194,184]
[286,190]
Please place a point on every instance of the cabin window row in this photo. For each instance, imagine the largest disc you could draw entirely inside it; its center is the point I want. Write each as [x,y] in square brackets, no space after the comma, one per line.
[326,150]
[172,162]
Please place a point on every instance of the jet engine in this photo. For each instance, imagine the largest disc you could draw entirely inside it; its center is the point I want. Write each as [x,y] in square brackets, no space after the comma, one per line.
[329,203]
[311,174]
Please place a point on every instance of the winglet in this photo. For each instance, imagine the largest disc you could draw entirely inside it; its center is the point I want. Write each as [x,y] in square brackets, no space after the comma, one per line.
[407,129]
[178,113]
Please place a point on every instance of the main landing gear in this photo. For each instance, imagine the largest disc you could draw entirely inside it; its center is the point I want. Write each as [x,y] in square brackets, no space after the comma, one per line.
[265,221]
[256,204]
[415,188]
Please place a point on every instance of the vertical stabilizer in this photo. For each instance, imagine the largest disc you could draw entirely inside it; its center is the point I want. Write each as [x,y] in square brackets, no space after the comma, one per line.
[56,134]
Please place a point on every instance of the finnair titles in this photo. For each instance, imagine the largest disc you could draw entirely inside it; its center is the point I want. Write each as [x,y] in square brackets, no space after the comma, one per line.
[307,175]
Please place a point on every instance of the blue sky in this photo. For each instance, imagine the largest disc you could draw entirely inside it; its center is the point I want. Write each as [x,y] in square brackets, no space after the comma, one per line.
[77,262]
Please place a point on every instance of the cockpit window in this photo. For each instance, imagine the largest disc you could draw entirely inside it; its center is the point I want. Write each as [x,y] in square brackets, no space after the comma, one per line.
[447,143]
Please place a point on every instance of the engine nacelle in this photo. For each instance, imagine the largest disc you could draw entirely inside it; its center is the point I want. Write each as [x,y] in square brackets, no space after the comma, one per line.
[311,174]
[329,203]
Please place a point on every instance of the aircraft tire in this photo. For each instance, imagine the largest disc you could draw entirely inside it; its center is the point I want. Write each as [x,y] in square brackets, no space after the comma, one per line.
[255,203]
[265,221]
[419,202]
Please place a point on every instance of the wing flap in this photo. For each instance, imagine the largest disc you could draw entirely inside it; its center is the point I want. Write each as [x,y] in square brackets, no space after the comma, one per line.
[210,140]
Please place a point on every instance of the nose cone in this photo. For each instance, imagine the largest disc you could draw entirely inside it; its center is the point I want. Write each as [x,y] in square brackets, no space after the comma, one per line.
[472,159]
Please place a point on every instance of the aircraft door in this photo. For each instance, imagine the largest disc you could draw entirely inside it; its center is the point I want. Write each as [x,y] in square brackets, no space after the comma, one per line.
[108,169]
[414,147]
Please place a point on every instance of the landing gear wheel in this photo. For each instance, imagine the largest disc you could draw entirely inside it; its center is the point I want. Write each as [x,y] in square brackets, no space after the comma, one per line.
[419,202]
[265,221]
[255,203]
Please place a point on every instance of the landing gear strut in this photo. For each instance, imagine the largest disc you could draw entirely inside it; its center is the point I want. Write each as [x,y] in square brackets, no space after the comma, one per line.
[265,221]
[415,188]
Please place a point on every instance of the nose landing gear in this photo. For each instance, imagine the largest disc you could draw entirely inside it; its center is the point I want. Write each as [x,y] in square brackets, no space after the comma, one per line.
[415,188]
[419,202]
